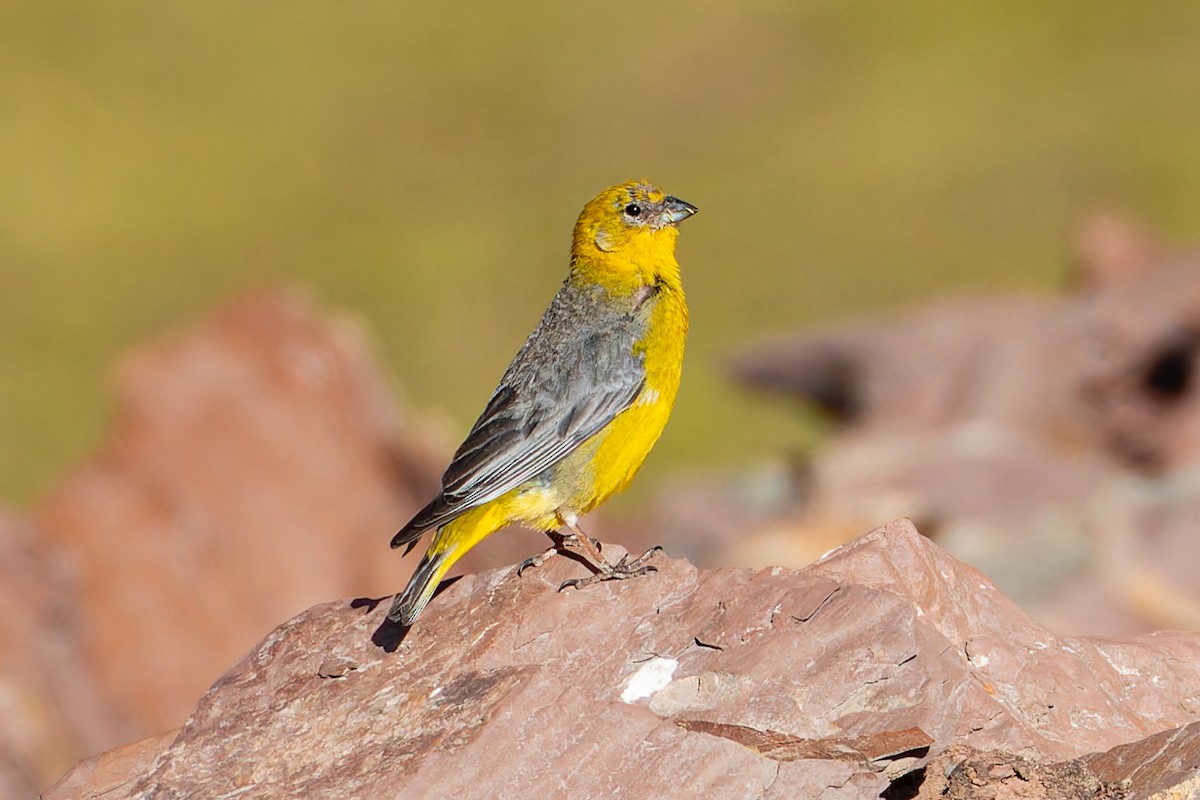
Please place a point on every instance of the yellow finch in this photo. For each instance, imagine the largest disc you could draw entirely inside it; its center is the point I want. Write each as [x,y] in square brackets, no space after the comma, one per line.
[581,404]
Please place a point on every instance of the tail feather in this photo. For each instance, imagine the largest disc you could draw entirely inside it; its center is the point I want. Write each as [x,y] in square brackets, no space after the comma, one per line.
[410,534]
[409,604]
[434,515]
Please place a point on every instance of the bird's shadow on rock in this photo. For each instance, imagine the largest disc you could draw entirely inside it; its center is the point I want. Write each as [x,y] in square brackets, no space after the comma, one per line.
[390,634]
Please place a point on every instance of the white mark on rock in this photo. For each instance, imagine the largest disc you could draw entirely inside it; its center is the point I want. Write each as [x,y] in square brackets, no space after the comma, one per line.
[436,692]
[1120,668]
[651,677]
[827,554]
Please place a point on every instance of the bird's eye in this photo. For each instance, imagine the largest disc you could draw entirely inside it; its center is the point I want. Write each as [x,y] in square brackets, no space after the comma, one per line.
[633,210]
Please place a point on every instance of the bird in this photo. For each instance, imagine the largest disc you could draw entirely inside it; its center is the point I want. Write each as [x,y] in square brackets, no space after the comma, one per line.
[580,406]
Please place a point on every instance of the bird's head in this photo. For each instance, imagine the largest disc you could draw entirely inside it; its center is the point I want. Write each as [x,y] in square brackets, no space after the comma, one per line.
[632,222]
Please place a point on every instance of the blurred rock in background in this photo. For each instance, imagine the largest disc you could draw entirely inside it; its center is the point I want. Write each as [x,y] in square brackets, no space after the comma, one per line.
[258,466]
[1054,444]
[51,709]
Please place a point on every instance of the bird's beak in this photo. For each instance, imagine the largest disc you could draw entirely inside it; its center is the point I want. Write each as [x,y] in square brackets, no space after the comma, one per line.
[676,210]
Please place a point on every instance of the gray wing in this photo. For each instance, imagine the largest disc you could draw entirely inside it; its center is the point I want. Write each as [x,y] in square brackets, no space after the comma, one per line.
[573,376]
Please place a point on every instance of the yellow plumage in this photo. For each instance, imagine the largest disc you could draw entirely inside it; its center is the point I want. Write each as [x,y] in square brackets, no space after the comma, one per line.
[583,402]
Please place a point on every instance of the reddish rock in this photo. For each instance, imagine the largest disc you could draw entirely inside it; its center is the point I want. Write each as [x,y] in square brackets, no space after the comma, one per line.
[1166,761]
[963,773]
[51,712]
[109,771]
[258,466]
[840,680]
[1165,765]
[1052,443]
[1108,369]
[911,372]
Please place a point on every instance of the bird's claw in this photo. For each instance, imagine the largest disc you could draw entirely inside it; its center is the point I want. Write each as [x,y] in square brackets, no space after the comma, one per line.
[577,583]
[537,560]
[636,564]
[622,570]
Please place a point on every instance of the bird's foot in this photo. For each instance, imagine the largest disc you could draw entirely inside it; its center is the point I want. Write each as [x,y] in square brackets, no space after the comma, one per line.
[622,570]
[637,563]
[556,549]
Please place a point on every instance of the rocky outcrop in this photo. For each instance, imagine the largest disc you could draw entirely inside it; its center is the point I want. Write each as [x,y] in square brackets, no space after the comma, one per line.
[845,679]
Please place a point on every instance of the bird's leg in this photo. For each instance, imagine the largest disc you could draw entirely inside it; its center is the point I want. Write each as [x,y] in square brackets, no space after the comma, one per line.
[604,571]
[561,541]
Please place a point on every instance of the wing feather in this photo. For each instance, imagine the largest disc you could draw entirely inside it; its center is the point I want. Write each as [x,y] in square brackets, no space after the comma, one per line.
[575,374]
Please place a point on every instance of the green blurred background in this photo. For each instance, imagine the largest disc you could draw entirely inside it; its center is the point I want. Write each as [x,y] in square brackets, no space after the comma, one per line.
[422,164]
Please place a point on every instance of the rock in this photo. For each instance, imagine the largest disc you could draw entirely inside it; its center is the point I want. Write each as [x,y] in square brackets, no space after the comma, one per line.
[962,773]
[1108,367]
[109,771]
[259,465]
[51,711]
[841,680]
[911,371]
[1009,425]
[1167,764]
